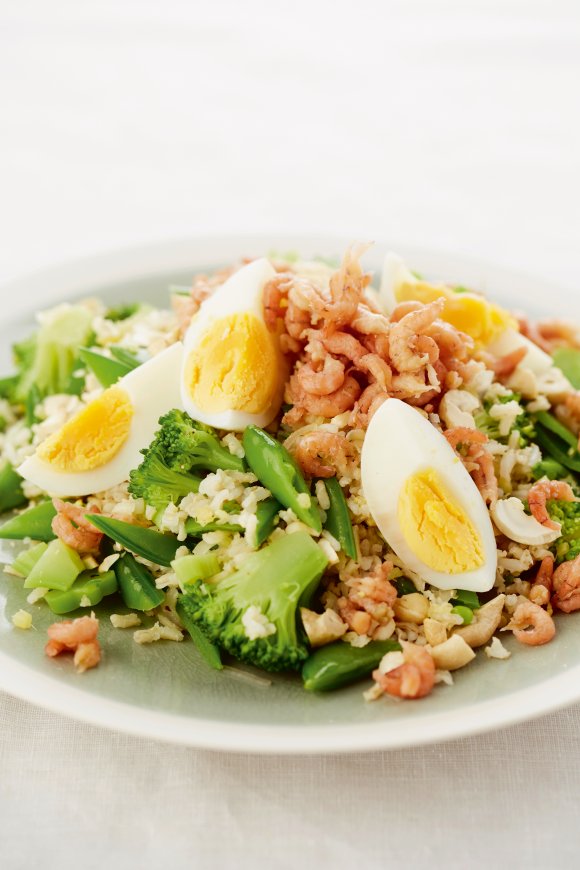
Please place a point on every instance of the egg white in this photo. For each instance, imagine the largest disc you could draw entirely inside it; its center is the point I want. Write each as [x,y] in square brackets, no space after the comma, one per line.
[153,389]
[241,293]
[399,443]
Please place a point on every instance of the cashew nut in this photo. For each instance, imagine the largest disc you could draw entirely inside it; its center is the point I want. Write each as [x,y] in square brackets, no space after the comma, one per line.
[322,628]
[435,632]
[457,407]
[485,621]
[453,654]
[413,607]
[510,517]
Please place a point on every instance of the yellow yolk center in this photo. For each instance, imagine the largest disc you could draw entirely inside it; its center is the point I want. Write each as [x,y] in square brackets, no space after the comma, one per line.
[234,366]
[468,312]
[436,529]
[93,436]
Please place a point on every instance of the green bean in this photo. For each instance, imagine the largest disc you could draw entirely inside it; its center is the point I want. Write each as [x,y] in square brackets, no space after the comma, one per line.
[276,469]
[137,584]
[11,494]
[208,650]
[196,530]
[266,514]
[32,400]
[556,450]
[338,518]
[466,598]
[125,357]
[548,421]
[106,370]
[151,545]
[339,664]
[88,589]
[549,468]
[404,586]
[567,359]
[35,523]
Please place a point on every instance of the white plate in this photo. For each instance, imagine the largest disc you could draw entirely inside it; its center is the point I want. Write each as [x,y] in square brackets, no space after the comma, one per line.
[163,691]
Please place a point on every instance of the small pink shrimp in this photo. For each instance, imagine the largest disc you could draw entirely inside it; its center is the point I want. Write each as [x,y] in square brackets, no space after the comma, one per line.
[543,582]
[531,624]
[484,472]
[377,368]
[322,454]
[324,382]
[71,526]
[567,586]
[275,299]
[344,344]
[369,402]
[404,333]
[463,435]
[404,308]
[325,406]
[368,605]
[415,678]
[78,636]
[378,344]
[375,585]
[452,343]
[184,307]
[504,366]
[485,478]
[539,495]
[370,322]
[347,286]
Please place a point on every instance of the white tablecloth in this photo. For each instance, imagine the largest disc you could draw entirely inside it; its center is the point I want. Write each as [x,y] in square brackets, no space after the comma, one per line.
[446,124]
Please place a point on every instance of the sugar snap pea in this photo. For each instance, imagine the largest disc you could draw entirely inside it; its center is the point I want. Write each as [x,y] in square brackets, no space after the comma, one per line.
[88,589]
[106,370]
[339,664]
[208,650]
[11,494]
[35,523]
[152,545]
[136,584]
[276,469]
[338,519]
[567,359]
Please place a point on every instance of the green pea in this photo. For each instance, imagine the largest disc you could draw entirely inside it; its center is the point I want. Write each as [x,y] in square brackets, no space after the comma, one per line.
[464,612]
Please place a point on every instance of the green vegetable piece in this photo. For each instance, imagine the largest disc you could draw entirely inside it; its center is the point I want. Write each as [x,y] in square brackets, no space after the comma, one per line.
[7,387]
[32,400]
[35,523]
[567,359]
[549,468]
[58,568]
[567,513]
[48,359]
[338,518]
[208,650]
[11,494]
[277,580]
[125,357]
[123,312]
[548,421]
[196,530]
[152,545]
[404,586]
[89,590]
[558,450]
[137,584]
[266,513]
[276,469]
[190,569]
[25,561]
[106,370]
[186,444]
[339,664]
[157,484]
[466,598]
[466,613]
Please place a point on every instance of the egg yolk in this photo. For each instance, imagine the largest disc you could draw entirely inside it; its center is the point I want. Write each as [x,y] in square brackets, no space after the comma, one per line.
[436,529]
[468,312]
[235,366]
[92,437]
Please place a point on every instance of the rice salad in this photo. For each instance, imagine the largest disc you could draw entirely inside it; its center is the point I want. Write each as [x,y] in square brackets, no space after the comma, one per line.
[297,470]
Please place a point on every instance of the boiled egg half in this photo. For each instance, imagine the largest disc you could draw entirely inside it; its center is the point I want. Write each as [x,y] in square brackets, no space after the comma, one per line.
[98,447]
[233,372]
[425,503]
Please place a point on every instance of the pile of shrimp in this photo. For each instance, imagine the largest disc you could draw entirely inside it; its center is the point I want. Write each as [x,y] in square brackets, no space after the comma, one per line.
[348,356]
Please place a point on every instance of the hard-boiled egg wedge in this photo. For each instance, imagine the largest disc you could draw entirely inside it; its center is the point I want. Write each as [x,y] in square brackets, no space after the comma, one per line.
[97,448]
[424,502]
[233,373]
[490,326]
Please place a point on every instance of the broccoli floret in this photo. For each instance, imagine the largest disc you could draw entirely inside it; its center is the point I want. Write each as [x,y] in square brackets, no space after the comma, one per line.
[276,580]
[187,444]
[48,359]
[567,513]
[157,484]
[490,426]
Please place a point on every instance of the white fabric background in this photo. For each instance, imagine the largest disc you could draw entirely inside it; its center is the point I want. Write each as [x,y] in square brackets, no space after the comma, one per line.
[447,124]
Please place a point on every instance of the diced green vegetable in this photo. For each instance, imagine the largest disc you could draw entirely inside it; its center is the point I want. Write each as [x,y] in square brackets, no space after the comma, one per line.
[33,398]
[338,521]
[123,312]
[25,561]
[466,613]
[266,513]
[567,359]
[106,370]
[276,469]
[190,569]
[404,586]
[87,591]
[151,545]
[35,523]
[11,494]
[466,598]
[557,449]
[208,650]
[58,568]
[339,664]
[137,584]
[196,530]
[549,468]
[7,387]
